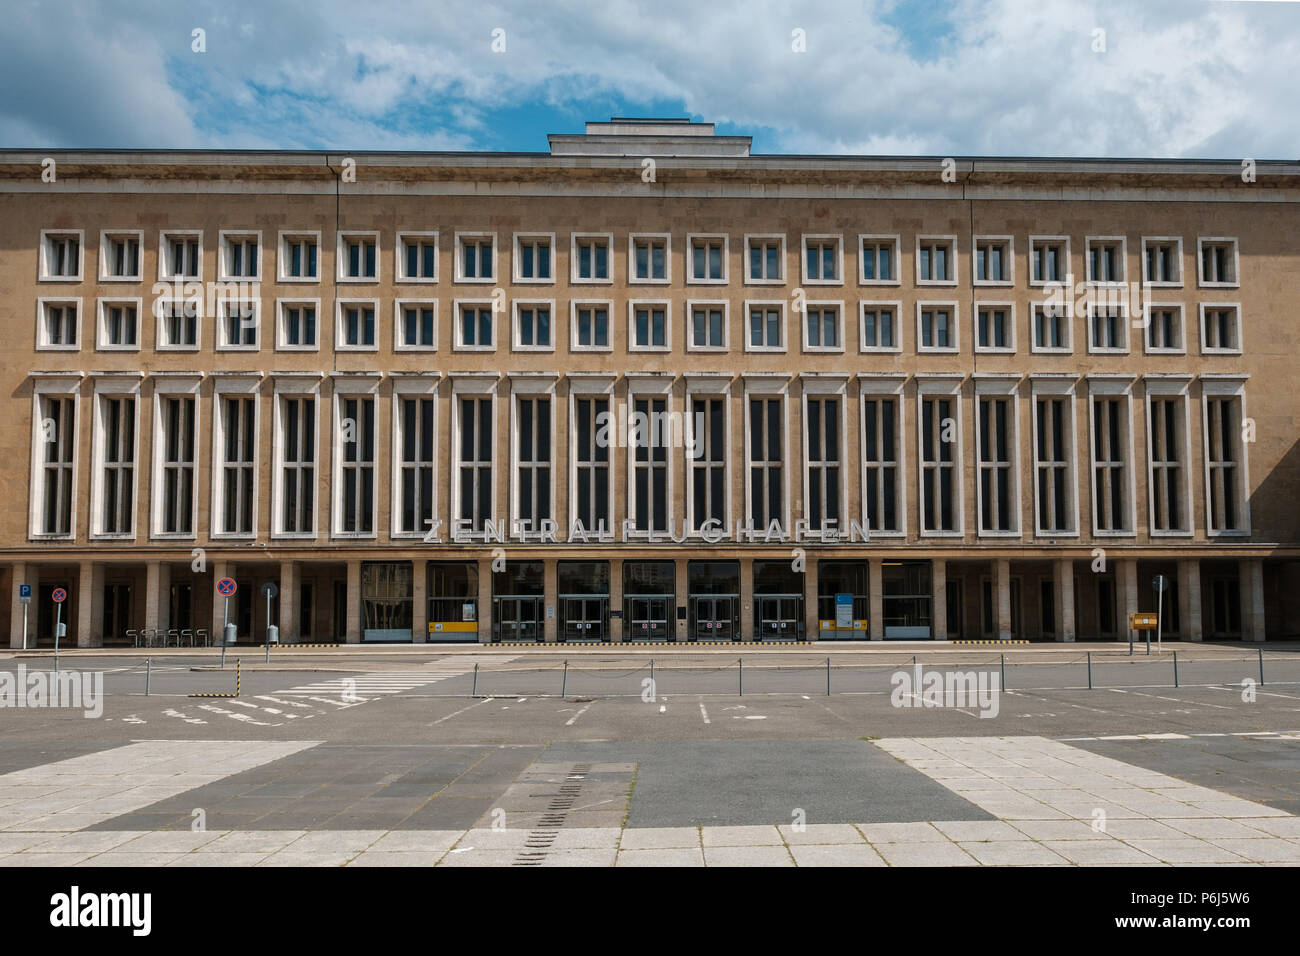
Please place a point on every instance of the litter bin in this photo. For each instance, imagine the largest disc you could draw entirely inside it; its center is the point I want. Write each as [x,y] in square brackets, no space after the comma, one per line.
[272,634]
[231,634]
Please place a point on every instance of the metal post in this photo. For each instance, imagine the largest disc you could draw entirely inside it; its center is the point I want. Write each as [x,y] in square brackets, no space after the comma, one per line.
[268,650]
[58,625]
[1090,670]
[24,627]
[1148,634]
[1175,668]
[652,674]
[828,677]
[564,681]
[473,691]
[740,675]
[1004,670]
[1160,603]
[148,667]
[1261,667]
[223,651]
[1130,639]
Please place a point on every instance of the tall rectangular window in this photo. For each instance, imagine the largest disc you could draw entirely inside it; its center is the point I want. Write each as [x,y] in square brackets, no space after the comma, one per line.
[475,327]
[1107,325]
[1110,469]
[298,464]
[590,258]
[121,257]
[534,258]
[241,254]
[238,465]
[765,327]
[707,327]
[357,467]
[938,464]
[821,260]
[62,256]
[1052,444]
[533,326]
[1051,329]
[179,325]
[1050,260]
[764,260]
[1105,260]
[707,259]
[878,328]
[474,477]
[418,256]
[1164,328]
[934,260]
[358,326]
[650,326]
[300,260]
[1167,463]
[709,462]
[591,461]
[650,464]
[415,464]
[1161,261]
[993,327]
[766,461]
[358,257]
[649,259]
[936,329]
[181,258]
[878,260]
[591,327]
[121,325]
[417,326]
[117,464]
[822,327]
[533,461]
[880,485]
[59,325]
[298,325]
[176,498]
[993,260]
[1218,262]
[57,433]
[1223,461]
[823,423]
[476,260]
[1220,329]
[996,462]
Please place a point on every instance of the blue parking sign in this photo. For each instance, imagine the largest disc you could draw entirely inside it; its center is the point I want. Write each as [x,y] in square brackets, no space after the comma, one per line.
[24,590]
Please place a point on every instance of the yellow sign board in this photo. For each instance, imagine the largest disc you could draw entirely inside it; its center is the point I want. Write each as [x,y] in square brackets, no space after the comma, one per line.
[441,627]
[830,626]
[1142,621]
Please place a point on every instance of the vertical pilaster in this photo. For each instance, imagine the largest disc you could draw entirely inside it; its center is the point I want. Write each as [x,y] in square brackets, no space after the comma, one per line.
[550,590]
[616,600]
[90,605]
[939,599]
[420,601]
[1063,603]
[1252,600]
[811,617]
[876,590]
[681,584]
[1189,599]
[290,585]
[1002,595]
[1126,584]
[484,608]
[352,626]
[747,599]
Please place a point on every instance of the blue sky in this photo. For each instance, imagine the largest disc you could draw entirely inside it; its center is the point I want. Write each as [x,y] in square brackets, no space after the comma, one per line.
[969,77]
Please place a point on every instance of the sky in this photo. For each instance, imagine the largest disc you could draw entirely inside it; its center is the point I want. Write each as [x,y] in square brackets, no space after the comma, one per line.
[1146,78]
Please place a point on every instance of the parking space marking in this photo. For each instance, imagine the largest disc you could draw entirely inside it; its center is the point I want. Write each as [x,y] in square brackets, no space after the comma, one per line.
[574,719]
[704,713]
[476,703]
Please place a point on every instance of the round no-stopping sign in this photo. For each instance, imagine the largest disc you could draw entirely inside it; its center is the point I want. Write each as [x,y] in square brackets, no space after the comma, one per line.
[59,595]
[226,587]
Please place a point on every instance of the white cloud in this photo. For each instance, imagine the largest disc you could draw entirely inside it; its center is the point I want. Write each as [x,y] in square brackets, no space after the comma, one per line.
[1007,76]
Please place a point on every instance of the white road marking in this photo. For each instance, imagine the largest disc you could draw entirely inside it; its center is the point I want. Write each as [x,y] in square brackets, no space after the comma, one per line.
[704,713]
[572,720]
[461,711]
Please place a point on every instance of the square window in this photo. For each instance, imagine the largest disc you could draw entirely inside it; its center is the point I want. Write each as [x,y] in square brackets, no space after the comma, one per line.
[474,326]
[822,327]
[119,324]
[591,326]
[180,254]
[1107,328]
[1164,328]
[880,330]
[533,321]
[1216,264]
[299,257]
[591,255]
[649,326]
[822,260]
[995,327]
[1049,260]
[416,325]
[241,255]
[1105,258]
[764,260]
[706,259]
[179,324]
[993,260]
[475,261]
[357,325]
[58,324]
[1220,328]
[61,255]
[1162,261]
[878,260]
[649,258]
[936,327]
[237,325]
[534,256]
[417,257]
[706,326]
[765,327]
[1051,332]
[936,260]
[298,325]
[119,256]
[358,256]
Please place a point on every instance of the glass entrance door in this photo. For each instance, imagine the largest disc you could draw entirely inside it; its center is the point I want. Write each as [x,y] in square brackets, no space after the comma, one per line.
[714,617]
[778,617]
[647,618]
[583,618]
[516,618]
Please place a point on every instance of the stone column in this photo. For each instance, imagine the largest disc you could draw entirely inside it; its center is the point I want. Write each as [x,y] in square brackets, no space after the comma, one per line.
[1126,586]
[616,600]
[290,585]
[747,599]
[420,601]
[1252,600]
[1063,594]
[484,608]
[550,590]
[1189,599]
[811,617]
[876,590]
[1002,594]
[352,626]
[157,592]
[681,584]
[90,605]
[939,600]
